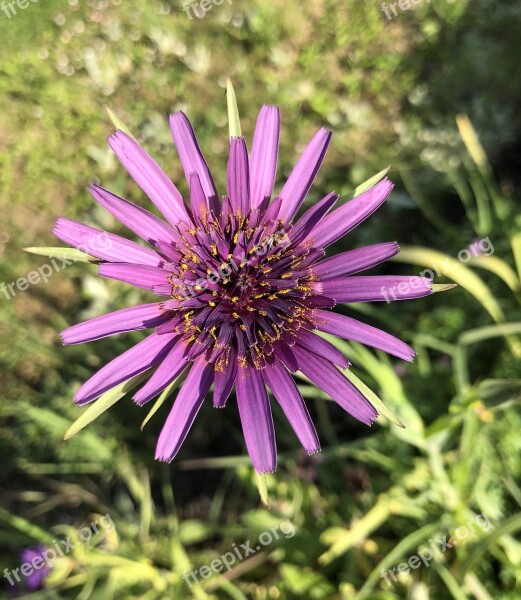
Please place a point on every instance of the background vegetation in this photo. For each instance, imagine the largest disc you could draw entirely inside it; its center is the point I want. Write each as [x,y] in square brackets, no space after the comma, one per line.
[391,90]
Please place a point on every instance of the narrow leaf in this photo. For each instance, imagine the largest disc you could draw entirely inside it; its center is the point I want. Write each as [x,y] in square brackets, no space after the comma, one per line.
[233,110]
[263,488]
[103,403]
[470,139]
[373,398]
[442,287]
[490,331]
[164,395]
[366,185]
[63,253]
[498,267]
[516,249]
[118,123]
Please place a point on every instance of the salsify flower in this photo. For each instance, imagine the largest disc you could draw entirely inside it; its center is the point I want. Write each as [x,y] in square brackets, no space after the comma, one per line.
[36,578]
[244,287]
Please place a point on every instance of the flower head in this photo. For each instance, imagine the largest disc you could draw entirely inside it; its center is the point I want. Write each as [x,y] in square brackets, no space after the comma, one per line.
[244,286]
[35,579]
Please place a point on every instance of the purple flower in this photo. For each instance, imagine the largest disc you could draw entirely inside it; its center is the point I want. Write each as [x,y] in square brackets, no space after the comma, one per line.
[245,286]
[35,579]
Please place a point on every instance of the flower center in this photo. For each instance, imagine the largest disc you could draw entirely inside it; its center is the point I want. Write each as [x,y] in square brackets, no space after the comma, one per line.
[241,286]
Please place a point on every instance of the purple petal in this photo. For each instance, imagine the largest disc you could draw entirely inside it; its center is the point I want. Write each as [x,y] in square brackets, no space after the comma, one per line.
[35,579]
[354,261]
[142,316]
[150,177]
[322,347]
[351,329]
[170,368]
[311,218]
[224,380]
[375,288]
[134,361]
[286,392]
[238,176]
[144,224]
[256,419]
[139,275]
[185,409]
[191,156]
[101,244]
[198,201]
[272,211]
[303,175]
[264,154]
[328,378]
[285,355]
[350,215]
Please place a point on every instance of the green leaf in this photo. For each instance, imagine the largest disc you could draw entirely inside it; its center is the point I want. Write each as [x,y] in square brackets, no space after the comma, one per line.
[359,531]
[305,583]
[402,549]
[366,185]
[118,123]
[450,582]
[164,395]
[499,393]
[442,287]
[471,140]
[26,527]
[516,249]
[484,333]
[390,388]
[64,253]
[102,404]
[262,486]
[233,110]
[373,398]
[510,525]
[499,267]
[453,269]
[476,587]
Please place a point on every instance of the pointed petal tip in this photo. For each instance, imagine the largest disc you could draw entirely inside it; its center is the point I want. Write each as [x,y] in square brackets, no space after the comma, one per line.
[409,357]
[266,472]
[114,136]
[161,458]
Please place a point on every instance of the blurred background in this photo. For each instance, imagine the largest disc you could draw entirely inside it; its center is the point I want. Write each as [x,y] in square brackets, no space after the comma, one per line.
[434,92]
